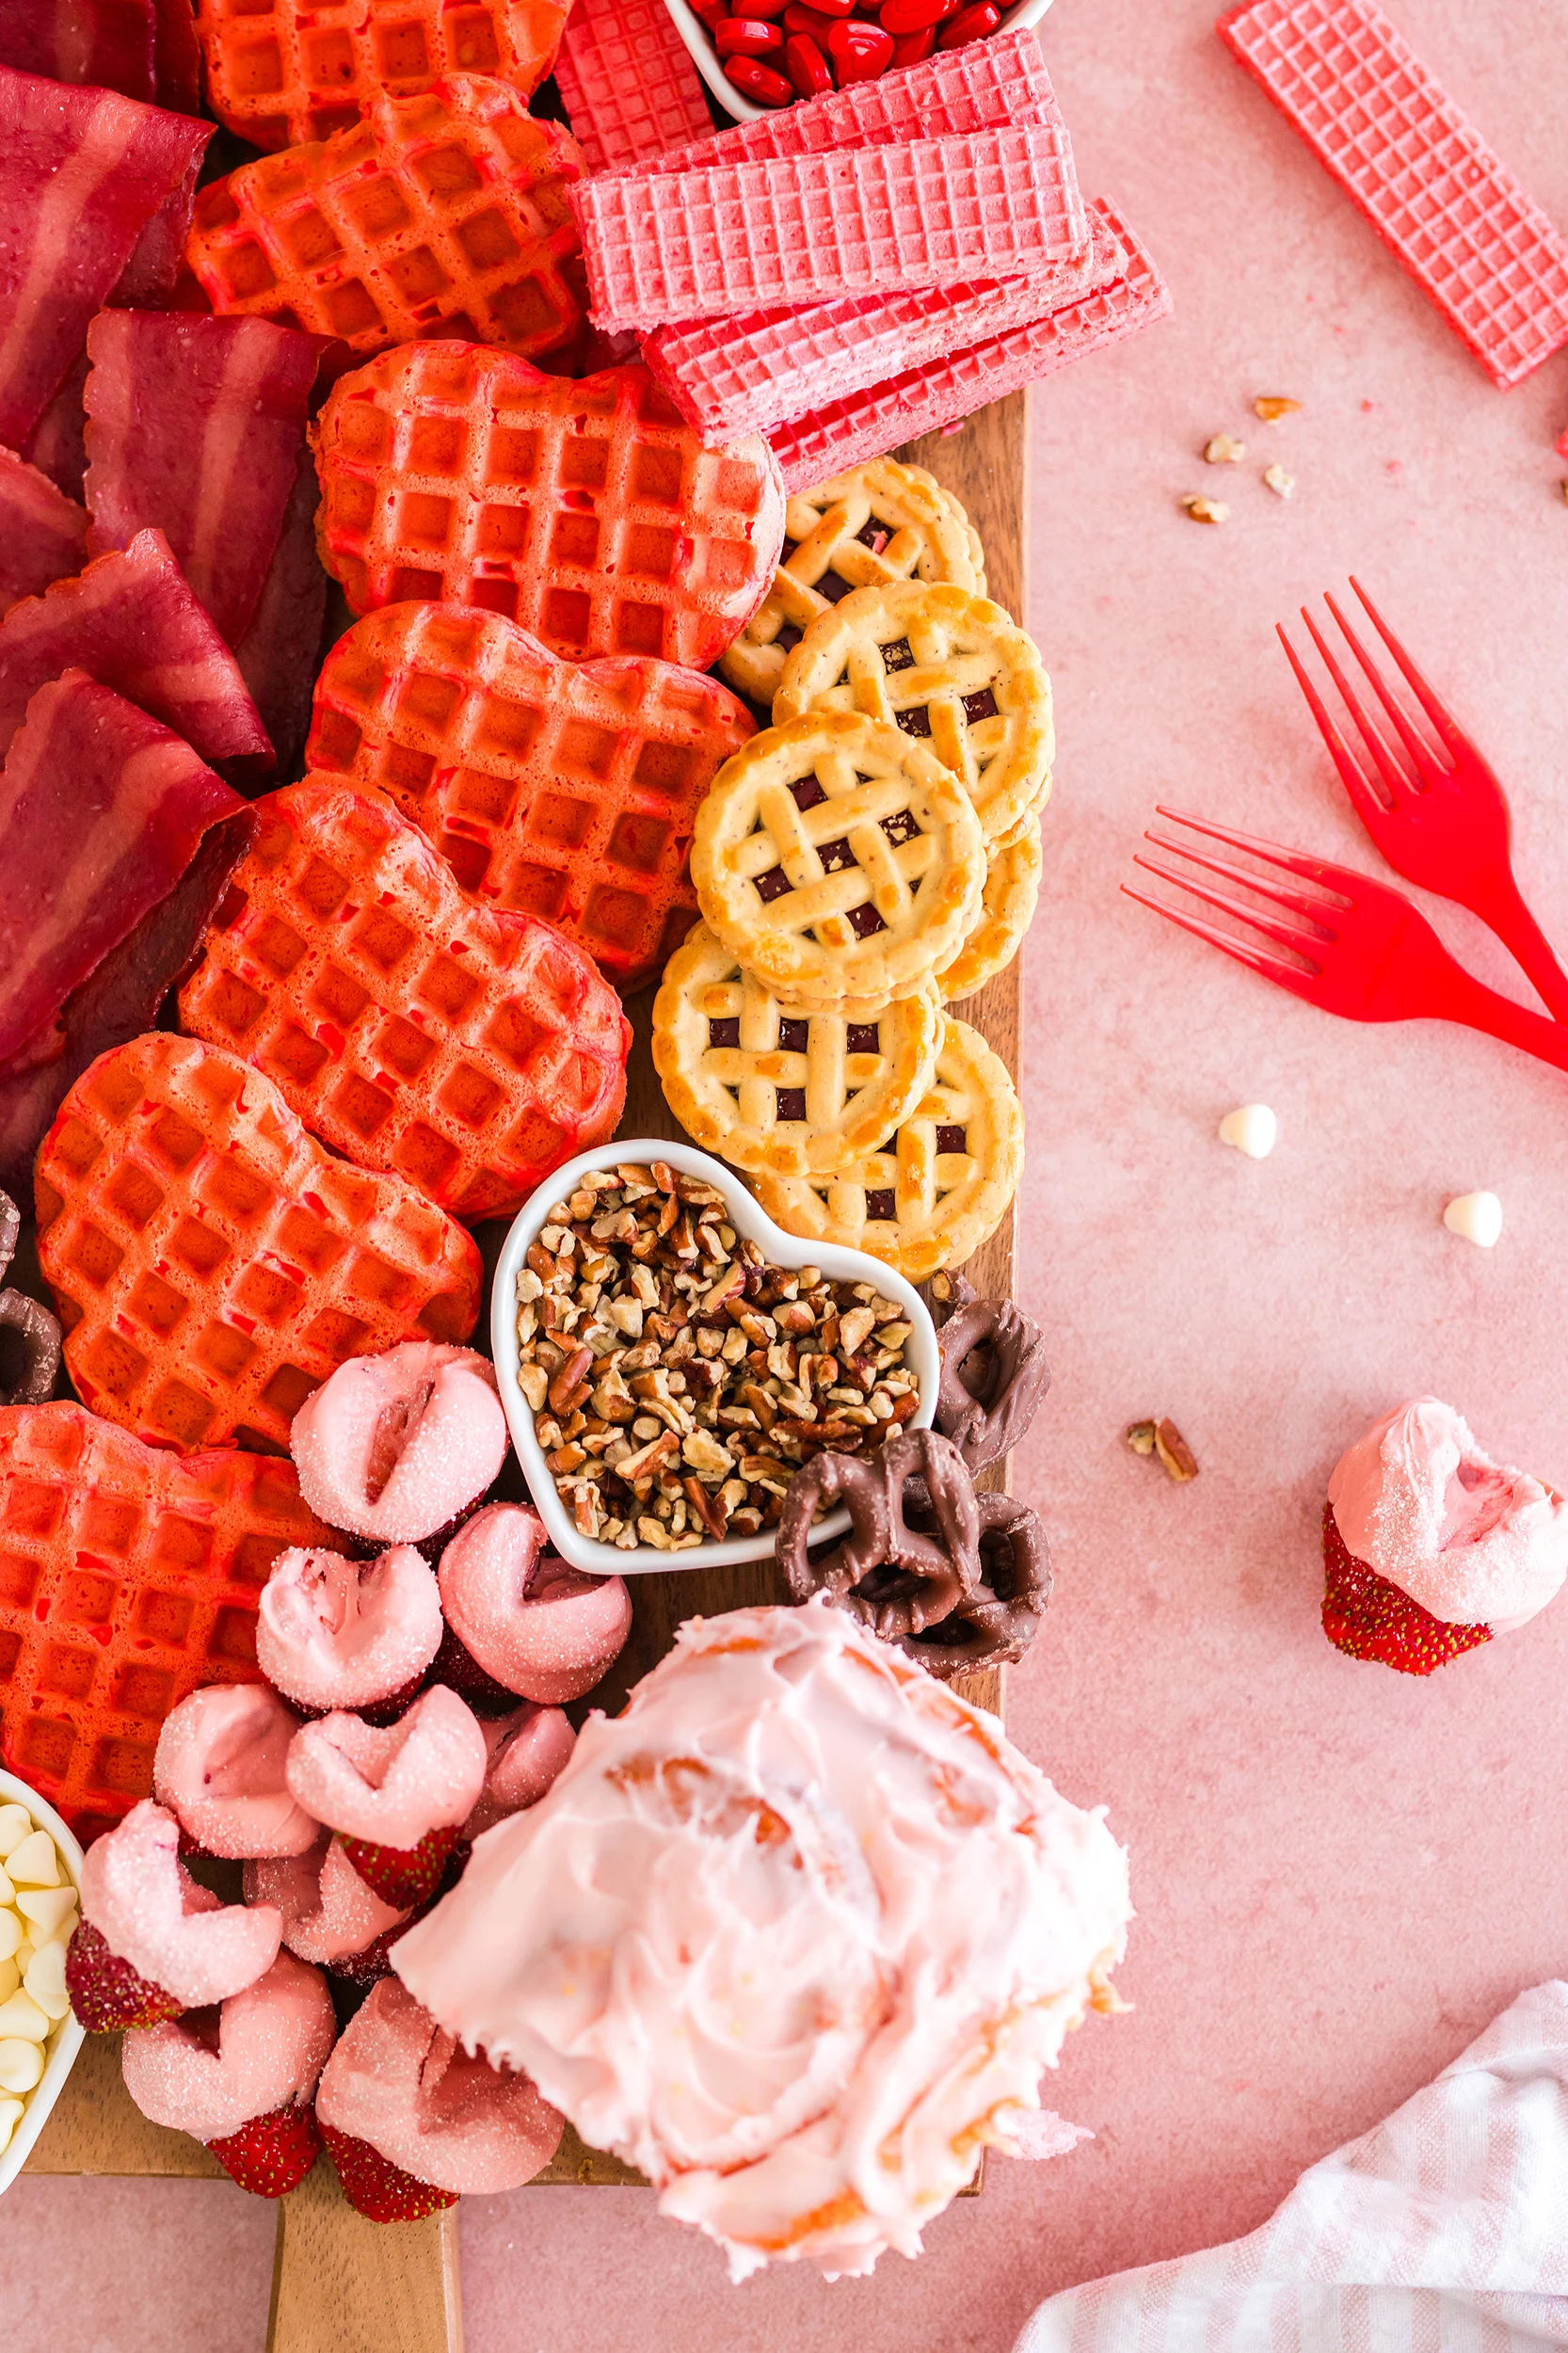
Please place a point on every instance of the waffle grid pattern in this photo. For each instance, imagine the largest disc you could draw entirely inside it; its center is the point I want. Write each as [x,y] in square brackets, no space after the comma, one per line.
[628,83]
[845,433]
[661,246]
[279,75]
[1382,126]
[743,374]
[441,213]
[570,793]
[588,511]
[468,1051]
[946,96]
[212,1265]
[128,1578]
[938,1187]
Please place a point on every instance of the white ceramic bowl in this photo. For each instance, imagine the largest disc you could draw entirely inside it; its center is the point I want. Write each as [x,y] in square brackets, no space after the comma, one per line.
[706,58]
[68,2037]
[844,1266]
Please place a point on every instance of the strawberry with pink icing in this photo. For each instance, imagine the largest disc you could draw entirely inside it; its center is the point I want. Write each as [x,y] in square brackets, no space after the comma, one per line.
[220,1767]
[332,1633]
[239,2078]
[152,1941]
[525,1753]
[396,1796]
[540,1628]
[395,1447]
[405,2111]
[330,1916]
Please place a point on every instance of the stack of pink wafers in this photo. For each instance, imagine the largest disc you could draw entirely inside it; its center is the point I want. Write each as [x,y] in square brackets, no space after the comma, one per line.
[841,276]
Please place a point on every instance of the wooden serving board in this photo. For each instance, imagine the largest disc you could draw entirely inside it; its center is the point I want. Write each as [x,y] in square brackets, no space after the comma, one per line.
[341,2284]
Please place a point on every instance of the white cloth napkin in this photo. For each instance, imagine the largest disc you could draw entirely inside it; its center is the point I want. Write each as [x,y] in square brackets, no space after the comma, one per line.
[1444,2230]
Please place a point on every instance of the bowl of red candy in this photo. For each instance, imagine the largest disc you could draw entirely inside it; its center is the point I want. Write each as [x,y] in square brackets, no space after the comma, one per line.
[758,55]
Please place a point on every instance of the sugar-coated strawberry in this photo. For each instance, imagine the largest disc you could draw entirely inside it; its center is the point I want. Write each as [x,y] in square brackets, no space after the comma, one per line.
[403,1875]
[379,2191]
[1367,1617]
[455,1665]
[271,2155]
[106,1993]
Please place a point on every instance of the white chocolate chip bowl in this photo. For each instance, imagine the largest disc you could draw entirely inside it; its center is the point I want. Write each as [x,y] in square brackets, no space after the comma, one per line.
[747,1222]
[65,2036]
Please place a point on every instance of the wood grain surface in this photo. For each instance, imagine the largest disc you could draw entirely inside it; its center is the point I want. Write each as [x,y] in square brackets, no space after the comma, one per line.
[342,2285]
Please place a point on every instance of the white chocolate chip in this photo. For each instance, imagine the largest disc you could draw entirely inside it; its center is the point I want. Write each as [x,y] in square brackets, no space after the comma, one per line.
[1253,1129]
[7,1892]
[10,2116]
[10,1978]
[1479,1216]
[34,1863]
[44,1983]
[11,1935]
[21,2016]
[16,1824]
[21,2064]
[46,1906]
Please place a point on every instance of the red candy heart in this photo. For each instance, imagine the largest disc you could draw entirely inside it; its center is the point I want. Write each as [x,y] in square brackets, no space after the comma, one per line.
[860,52]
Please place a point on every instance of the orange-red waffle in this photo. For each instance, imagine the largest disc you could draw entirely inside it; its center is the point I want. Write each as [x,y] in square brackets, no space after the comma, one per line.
[279,75]
[570,792]
[212,1264]
[128,1577]
[588,511]
[441,213]
[468,1051]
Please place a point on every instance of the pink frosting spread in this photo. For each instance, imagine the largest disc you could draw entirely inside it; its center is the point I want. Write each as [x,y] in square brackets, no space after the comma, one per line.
[395,1445]
[391,1786]
[219,1767]
[398,2082]
[138,1895]
[794,1933]
[329,1913]
[1475,1543]
[337,1633]
[208,2075]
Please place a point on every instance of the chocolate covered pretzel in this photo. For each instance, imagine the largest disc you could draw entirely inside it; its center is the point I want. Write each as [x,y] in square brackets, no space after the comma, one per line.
[993,1625]
[40,1348]
[994,1372]
[894,1578]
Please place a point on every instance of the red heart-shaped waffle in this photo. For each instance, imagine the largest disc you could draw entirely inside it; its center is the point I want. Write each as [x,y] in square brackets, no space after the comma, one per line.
[212,1264]
[444,213]
[279,75]
[129,1577]
[468,1051]
[569,792]
[587,509]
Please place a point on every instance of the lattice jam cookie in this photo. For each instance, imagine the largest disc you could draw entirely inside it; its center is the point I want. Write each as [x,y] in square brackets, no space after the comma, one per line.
[129,1577]
[566,792]
[939,1188]
[793,1093]
[468,1051]
[212,1264]
[444,213]
[279,75]
[837,860]
[949,668]
[587,509]
[1006,911]
[883,522]
[950,499]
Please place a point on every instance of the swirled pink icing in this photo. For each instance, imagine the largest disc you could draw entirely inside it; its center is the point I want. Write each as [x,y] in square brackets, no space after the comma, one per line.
[1475,1543]
[794,1933]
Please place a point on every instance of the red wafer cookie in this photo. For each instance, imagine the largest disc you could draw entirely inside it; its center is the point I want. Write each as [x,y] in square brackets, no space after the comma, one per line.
[468,1051]
[628,83]
[568,793]
[212,1264]
[1382,125]
[588,511]
[129,1577]
[444,213]
[281,74]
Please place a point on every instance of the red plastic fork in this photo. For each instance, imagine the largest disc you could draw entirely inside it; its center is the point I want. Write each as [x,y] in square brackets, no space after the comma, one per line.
[1440,818]
[1364,950]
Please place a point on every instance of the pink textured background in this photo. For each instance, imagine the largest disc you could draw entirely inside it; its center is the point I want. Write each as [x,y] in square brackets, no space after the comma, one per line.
[1340,1876]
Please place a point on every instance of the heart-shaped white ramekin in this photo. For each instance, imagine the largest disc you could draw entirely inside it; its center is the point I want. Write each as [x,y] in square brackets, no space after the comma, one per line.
[844,1266]
[66,2038]
[709,64]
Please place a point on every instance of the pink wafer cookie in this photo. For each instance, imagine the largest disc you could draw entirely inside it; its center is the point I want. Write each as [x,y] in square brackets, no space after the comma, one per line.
[335,1633]
[422,1773]
[628,83]
[220,1767]
[329,1913]
[1384,127]
[526,1753]
[743,374]
[273,2041]
[402,1442]
[830,441]
[539,1628]
[138,1895]
[797,229]
[988,83]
